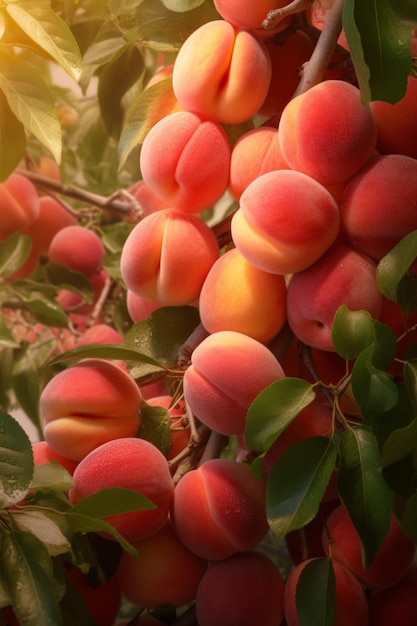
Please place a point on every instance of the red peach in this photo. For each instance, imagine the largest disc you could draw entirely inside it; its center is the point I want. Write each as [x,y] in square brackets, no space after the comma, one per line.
[19,205]
[397,604]
[138,308]
[43,453]
[79,248]
[247,14]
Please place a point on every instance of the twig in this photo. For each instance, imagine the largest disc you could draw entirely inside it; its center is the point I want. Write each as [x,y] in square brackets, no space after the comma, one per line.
[274,17]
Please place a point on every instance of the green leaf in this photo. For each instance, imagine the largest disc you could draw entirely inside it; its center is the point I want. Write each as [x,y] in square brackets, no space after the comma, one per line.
[297,484]
[30,100]
[106,351]
[408,521]
[27,571]
[182,5]
[86,524]
[316,593]
[394,280]
[112,501]
[379,44]
[65,278]
[362,488]
[16,461]
[13,253]
[49,31]
[155,426]
[352,332]
[44,528]
[42,304]
[51,476]
[6,337]
[12,139]
[274,409]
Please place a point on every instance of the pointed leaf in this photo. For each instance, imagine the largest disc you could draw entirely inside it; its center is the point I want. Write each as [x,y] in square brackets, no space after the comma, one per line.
[112,501]
[44,528]
[274,409]
[105,351]
[86,524]
[16,461]
[13,253]
[182,5]
[62,276]
[316,593]
[352,332]
[6,338]
[12,139]
[44,306]
[155,426]
[297,484]
[363,489]
[394,280]
[51,476]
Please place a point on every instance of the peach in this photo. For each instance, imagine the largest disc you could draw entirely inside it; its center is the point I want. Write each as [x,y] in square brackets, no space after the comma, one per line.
[219,509]
[397,604]
[351,607]
[392,560]
[43,453]
[73,302]
[256,152]
[194,173]
[158,260]
[327,133]
[238,296]
[285,222]
[88,404]
[29,266]
[129,463]
[222,72]
[100,333]
[19,205]
[378,206]
[228,370]
[247,14]
[138,308]
[180,429]
[79,248]
[103,600]
[147,199]
[341,276]
[241,589]
[51,219]
[165,571]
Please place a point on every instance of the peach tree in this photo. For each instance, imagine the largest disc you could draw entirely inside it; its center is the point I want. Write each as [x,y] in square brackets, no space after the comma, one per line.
[208,243]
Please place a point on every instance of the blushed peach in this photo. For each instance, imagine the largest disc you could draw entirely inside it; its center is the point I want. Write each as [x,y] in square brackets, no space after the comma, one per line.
[51,219]
[19,205]
[222,72]
[138,308]
[79,248]
[43,453]
[247,14]
[228,370]
[158,260]
[219,509]
[285,222]
[238,296]
[194,173]
[88,404]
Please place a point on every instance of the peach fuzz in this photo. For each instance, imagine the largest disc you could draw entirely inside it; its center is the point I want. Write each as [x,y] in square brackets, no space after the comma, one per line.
[180,428]
[158,260]
[43,453]
[397,604]
[194,173]
[165,571]
[88,404]
[351,607]
[378,206]
[341,276]
[222,72]
[79,248]
[19,205]
[238,296]
[219,509]
[51,219]
[327,132]
[391,562]
[228,370]
[285,222]
[242,589]
[256,152]
[129,463]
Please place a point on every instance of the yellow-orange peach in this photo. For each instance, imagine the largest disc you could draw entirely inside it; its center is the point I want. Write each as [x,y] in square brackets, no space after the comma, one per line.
[228,370]
[19,205]
[256,152]
[238,296]
[327,132]
[244,589]
[378,206]
[222,72]
[164,572]
[88,404]
[219,509]
[129,463]
[193,174]
[52,217]
[341,276]
[79,248]
[285,222]
[158,260]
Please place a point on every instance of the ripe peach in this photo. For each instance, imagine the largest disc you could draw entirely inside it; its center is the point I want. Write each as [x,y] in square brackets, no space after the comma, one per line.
[241,589]
[43,453]
[351,607]
[100,333]
[129,463]
[256,152]
[397,604]
[219,509]
[79,248]
[165,571]
[228,370]
[180,429]
[158,260]
[247,14]
[29,266]
[51,219]
[327,132]
[194,173]
[238,296]
[138,308]
[88,404]
[19,203]
[341,276]
[222,72]
[102,601]
[285,222]
[378,206]
[391,561]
